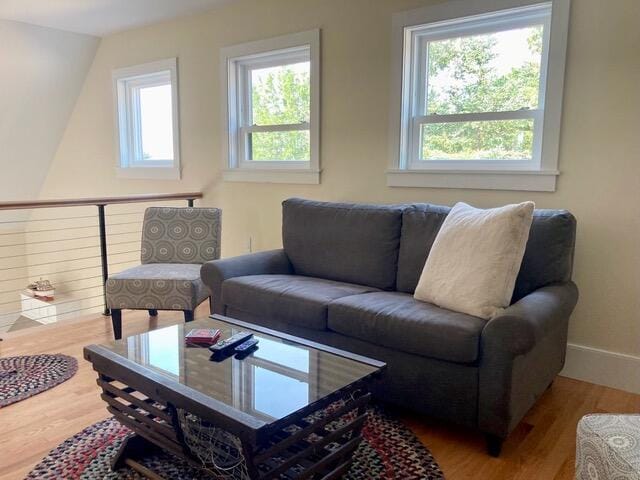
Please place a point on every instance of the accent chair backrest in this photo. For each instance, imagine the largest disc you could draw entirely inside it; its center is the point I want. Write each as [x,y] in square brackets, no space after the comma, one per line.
[181,235]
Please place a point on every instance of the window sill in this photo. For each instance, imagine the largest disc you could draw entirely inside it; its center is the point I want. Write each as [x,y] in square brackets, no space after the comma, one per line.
[307,177]
[532,181]
[149,173]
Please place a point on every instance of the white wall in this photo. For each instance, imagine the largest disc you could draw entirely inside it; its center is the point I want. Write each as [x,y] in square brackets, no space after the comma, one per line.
[41,73]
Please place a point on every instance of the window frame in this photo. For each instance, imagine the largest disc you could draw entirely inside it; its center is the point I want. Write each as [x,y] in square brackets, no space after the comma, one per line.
[412,31]
[237,62]
[127,83]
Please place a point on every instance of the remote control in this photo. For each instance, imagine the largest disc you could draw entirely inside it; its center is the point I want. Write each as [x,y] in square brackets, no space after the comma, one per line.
[230,343]
[249,344]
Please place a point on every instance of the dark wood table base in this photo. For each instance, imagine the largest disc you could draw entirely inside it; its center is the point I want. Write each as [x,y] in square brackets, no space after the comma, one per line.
[316,442]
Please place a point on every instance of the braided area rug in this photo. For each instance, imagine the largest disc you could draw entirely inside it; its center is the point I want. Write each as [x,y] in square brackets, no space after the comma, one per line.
[25,376]
[389,451]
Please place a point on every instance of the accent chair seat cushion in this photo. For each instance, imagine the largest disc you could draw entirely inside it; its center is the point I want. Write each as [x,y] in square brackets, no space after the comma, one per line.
[608,447]
[293,299]
[397,320]
[159,286]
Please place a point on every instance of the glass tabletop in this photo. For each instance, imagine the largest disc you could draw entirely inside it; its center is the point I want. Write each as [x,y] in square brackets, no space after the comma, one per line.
[280,377]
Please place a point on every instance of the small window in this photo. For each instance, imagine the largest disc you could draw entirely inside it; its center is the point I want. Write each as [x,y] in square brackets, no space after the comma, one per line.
[474,98]
[147,120]
[272,110]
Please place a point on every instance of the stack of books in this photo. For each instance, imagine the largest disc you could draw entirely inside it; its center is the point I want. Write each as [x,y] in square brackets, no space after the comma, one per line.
[202,337]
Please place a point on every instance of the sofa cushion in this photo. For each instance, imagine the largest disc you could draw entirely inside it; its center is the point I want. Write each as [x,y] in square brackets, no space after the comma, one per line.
[343,242]
[396,320]
[299,300]
[475,259]
[420,226]
[548,257]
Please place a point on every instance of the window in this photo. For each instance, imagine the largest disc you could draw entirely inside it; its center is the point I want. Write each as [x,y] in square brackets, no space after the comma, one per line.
[481,97]
[147,120]
[271,89]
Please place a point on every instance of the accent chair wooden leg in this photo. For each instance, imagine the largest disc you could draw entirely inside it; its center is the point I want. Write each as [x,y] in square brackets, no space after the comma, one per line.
[188,315]
[153,312]
[116,321]
[211,305]
[494,445]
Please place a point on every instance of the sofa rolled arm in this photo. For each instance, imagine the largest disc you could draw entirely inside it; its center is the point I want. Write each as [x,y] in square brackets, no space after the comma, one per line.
[261,263]
[522,325]
[522,350]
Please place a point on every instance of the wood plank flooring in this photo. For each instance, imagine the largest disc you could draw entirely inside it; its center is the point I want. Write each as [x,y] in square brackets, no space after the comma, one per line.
[542,447]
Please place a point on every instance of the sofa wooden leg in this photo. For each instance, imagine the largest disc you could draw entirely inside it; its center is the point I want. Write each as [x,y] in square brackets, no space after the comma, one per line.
[494,445]
[188,315]
[116,321]
[153,312]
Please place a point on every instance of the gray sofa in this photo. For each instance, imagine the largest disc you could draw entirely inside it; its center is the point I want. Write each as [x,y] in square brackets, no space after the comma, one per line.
[346,276]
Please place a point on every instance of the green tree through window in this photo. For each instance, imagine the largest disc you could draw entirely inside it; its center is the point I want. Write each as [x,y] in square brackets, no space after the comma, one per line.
[281,96]
[480,74]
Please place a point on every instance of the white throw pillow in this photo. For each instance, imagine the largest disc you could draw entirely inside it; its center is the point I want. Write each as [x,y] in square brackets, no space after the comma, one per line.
[475,259]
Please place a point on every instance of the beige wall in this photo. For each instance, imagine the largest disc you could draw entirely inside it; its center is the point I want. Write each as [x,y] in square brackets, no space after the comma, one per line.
[41,73]
[600,152]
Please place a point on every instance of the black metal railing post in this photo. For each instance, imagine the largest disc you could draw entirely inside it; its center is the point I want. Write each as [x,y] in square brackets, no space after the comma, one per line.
[104,262]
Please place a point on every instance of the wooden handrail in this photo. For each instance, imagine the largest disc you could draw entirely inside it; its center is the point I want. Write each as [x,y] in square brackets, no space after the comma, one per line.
[76,202]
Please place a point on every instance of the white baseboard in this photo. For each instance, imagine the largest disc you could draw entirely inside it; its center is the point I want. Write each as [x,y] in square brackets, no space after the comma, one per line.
[616,370]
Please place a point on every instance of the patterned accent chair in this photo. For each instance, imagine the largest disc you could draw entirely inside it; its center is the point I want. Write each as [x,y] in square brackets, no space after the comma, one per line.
[175,244]
[608,447]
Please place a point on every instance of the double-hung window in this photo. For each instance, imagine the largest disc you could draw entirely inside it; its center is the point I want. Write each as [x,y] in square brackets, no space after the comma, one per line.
[271,91]
[480,97]
[146,98]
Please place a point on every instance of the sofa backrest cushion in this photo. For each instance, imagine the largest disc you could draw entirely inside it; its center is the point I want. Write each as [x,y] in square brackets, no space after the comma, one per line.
[353,243]
[420,225]
[548,257]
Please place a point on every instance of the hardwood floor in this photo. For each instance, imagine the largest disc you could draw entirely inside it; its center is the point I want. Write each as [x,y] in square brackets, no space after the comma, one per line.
[542,447]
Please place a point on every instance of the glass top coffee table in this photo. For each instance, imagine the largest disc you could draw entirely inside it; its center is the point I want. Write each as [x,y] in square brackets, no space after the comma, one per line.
[290,409]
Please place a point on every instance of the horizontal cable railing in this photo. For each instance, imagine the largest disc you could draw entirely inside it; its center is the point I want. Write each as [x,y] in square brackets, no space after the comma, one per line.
[74,251]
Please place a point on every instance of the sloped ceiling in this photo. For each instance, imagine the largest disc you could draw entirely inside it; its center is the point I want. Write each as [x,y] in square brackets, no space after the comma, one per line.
[42,71]
[100,17]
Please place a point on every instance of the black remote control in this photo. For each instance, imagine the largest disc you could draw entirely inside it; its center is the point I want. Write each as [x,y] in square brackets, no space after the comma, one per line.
[230,343]
[249,344]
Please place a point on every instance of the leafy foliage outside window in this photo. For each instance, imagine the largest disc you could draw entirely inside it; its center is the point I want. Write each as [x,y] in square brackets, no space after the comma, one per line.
[495,72]
[281,96]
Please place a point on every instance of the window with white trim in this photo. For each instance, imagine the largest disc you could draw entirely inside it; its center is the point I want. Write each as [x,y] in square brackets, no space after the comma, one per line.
[271,88]
[146,98]
[474,108]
